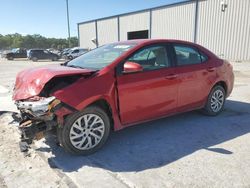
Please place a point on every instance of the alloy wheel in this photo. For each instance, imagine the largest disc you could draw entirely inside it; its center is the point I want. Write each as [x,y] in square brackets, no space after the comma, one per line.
[87,131]
[217,100]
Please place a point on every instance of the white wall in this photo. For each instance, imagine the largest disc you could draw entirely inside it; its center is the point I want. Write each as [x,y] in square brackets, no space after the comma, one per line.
[86,33]
[225,33]
[174,22]
[133,22]
[107,31]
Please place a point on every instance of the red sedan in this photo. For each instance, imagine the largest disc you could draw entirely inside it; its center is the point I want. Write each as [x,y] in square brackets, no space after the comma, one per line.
[118,85]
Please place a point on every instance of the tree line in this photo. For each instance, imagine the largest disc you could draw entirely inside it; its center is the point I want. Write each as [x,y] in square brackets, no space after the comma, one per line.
[34,41]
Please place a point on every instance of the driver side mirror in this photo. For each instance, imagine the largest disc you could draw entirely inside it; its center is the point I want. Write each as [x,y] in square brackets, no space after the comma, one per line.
[132,67]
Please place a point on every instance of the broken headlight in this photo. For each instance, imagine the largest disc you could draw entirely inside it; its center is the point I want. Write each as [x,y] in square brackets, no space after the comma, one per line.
[39,107]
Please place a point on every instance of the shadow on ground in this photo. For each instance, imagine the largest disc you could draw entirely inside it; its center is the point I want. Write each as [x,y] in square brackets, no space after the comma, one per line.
[15,117]
[158,143]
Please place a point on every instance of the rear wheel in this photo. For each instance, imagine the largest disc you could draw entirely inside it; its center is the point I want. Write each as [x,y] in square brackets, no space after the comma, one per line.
[10,58]
[34,59]
[85,132]
[54,59]
[215,102]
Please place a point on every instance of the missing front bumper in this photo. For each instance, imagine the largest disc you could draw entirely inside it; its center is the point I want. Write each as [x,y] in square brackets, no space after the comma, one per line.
[33,130]
[30,130]
[38,118]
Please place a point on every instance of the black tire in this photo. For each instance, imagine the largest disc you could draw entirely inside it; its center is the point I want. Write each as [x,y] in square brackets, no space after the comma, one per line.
[10,58]
[64,132]
[34,59]
[209,109]
[54,59]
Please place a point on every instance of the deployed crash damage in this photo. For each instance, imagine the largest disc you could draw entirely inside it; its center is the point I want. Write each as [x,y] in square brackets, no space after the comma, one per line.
[33,94]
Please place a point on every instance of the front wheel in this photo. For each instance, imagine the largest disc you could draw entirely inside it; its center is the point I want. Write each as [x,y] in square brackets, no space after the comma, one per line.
[215,101]
[85,132]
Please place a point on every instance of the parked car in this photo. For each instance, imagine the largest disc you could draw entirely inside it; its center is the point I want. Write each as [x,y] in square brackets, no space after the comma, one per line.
[64,52]
[75,52]
[38,54]
[52,50]
[119,85]
[15,53]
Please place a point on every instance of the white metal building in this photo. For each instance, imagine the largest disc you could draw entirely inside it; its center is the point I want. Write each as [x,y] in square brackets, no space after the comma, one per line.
[223,26]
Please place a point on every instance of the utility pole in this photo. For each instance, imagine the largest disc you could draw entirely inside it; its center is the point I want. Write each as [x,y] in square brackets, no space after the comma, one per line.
[67,5]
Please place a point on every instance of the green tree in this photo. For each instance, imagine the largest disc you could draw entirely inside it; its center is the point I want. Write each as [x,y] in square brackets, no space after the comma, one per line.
[34,41]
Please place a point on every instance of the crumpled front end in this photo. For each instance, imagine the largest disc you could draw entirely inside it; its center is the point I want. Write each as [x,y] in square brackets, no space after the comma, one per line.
[33,95]
[40,115]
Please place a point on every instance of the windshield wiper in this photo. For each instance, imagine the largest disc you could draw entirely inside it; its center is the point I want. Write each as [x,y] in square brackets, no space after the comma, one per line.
[75,66]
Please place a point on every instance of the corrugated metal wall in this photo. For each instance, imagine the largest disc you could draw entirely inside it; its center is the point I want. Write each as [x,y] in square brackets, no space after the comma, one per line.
[175,22]
[87,32]
[107,31]
[225,33]
[133,22]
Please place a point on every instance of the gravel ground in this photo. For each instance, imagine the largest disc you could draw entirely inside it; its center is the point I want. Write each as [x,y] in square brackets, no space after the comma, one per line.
[19,169]
[187,150]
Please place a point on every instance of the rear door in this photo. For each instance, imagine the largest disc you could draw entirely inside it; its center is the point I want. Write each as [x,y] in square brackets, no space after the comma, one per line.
[151,93]
[38,54]
[46,54]
[194,70]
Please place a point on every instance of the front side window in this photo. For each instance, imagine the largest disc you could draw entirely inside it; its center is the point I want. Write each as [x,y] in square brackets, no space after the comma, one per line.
[186,55]
[151,58]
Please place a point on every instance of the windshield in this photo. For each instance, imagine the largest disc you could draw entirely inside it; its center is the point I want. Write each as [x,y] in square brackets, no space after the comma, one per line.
[100,57]
[15,50]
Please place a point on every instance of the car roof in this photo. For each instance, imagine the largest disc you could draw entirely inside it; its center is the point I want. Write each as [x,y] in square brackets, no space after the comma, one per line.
[148,41]
[142,42]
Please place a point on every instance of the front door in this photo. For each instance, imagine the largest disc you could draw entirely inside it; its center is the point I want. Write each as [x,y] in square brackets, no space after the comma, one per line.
[151,93]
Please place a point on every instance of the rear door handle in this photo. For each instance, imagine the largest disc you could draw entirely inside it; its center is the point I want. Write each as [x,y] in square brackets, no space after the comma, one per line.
[211,69]
[171,76]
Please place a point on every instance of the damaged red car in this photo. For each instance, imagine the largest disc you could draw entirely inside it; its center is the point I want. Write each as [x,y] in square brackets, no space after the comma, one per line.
[118,85]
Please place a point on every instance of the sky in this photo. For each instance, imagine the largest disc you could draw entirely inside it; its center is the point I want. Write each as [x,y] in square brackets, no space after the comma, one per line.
[48,17]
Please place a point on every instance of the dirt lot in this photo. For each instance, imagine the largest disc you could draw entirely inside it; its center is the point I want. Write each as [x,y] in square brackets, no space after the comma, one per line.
[187,150]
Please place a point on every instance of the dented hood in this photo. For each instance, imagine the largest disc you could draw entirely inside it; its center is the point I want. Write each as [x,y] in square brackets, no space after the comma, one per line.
[30,82]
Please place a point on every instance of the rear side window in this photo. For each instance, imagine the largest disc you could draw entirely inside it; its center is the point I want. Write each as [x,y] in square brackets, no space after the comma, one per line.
[36,51]
[187,55]
[75,51]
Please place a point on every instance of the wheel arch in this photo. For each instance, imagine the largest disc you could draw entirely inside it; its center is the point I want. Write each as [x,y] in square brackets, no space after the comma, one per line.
[222,84]
[103,104]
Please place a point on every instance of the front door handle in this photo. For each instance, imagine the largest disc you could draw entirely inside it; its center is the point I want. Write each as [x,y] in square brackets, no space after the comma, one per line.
[171,76]
[211,69]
